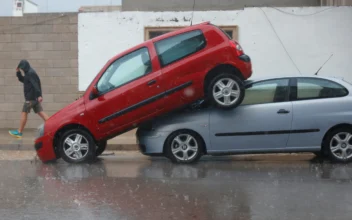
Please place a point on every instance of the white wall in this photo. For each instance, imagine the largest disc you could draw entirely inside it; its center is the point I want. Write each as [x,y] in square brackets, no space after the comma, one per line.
[17,11]
[29,7]
[310,35]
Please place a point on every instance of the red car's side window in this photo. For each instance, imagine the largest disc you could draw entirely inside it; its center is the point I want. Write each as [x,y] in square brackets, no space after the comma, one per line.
[125,69]
[180,46]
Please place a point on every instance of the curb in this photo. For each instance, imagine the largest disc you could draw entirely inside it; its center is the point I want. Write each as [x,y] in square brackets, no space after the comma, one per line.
[30,147]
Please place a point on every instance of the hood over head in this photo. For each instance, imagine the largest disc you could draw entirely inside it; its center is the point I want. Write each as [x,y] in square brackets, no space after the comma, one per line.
[24,64]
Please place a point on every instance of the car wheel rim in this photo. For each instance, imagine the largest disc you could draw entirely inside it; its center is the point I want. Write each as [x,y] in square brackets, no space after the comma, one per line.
[226,91]
[184,147]
[341,146]
[76,146]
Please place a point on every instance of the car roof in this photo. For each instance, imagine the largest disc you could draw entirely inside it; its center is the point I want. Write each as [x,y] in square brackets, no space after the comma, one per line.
[258,79]
[161,37]
[179,31]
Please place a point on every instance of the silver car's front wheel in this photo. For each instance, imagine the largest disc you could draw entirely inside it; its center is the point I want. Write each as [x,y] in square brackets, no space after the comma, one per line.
[184,147]
[339,143]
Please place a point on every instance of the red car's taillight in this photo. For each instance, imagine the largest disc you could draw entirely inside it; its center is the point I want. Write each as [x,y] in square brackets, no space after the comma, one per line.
[237,47]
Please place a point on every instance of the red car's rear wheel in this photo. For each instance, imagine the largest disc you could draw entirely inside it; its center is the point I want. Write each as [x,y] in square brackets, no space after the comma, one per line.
[226,91]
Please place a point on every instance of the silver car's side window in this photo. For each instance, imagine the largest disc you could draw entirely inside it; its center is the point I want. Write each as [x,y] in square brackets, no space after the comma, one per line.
[269,91]
[310,88]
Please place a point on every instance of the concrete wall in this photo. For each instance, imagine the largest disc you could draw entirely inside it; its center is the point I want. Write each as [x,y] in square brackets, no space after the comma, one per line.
[310,35]
[49,42]
[108,8]
[336,2]
[201,5]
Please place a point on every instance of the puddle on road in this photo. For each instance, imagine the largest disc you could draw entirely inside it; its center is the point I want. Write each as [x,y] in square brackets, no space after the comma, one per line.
[158,189]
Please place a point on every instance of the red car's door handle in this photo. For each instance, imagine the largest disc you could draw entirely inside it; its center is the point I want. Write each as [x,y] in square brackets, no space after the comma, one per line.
[151,82]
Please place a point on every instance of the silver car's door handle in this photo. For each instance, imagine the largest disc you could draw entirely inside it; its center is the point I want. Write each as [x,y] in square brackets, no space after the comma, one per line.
[283,111]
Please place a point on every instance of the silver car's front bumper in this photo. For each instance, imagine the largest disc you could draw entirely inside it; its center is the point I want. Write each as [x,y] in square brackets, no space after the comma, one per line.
[151,142]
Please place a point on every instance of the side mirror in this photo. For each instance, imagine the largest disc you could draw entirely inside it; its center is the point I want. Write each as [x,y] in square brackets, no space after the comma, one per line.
[95,91]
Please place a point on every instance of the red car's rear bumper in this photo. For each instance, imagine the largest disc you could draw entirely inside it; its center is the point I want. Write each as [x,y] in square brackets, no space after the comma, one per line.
[245,66]
[45,149]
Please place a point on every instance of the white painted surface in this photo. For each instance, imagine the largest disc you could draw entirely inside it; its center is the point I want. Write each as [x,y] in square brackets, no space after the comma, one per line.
[25,7]
[30,7]
[310,38]
[17,8]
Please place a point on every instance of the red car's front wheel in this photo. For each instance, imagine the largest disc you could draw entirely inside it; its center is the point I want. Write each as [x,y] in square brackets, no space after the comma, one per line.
[77,146]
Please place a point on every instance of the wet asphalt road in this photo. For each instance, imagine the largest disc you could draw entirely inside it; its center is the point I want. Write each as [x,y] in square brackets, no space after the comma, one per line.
[123,187]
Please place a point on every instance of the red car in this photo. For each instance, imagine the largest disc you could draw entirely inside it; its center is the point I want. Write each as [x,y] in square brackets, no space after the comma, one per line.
[160,75]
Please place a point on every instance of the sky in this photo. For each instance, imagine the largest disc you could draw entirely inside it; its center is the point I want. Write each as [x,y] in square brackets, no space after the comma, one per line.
[56,5]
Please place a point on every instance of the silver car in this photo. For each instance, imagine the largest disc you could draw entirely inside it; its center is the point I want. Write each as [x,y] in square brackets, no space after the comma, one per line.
[277,115]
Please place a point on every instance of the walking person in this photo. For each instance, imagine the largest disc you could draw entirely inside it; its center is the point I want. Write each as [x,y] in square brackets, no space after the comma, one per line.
[32,94]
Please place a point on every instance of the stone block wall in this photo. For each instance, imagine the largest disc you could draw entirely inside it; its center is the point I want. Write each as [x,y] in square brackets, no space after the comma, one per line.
[50,43]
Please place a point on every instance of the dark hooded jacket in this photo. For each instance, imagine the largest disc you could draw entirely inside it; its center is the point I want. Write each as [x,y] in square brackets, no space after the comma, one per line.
[31,82]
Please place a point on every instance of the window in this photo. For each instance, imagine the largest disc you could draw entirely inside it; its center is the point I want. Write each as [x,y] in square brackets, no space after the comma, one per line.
[151,32]
[175,48]
[266,92]
[309,88]
[125,69]
[228,31]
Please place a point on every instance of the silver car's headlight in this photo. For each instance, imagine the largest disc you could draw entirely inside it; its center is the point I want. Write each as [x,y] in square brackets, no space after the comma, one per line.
[40,131]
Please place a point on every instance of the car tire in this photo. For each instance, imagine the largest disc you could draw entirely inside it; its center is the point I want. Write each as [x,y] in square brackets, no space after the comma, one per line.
[82,145]
[189,147]
[101,146]
[318,154]
[225,100]
[338,144]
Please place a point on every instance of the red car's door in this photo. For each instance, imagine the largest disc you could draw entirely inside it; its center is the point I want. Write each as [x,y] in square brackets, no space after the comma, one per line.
[130,89]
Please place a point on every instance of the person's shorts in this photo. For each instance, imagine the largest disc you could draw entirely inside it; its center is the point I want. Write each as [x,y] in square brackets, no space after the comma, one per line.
[35,105]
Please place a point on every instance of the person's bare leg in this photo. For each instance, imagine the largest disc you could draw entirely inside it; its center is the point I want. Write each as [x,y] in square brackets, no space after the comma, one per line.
[43,115]
[23,121]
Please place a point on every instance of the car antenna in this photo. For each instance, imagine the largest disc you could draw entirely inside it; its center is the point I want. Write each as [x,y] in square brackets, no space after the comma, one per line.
[323,65]
[194,4]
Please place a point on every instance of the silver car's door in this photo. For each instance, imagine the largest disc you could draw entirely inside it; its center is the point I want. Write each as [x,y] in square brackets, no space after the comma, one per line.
[261,122]
[318,104]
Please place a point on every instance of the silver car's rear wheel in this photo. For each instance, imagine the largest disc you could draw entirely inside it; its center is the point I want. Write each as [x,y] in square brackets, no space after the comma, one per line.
[339,144]
[184,147]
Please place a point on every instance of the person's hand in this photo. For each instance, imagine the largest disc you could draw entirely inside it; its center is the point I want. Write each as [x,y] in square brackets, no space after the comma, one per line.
[40,99]
[20,71]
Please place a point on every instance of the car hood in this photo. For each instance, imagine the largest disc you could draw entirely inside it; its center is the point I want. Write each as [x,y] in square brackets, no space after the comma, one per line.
[177,119]
[69,108]
[68,113]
